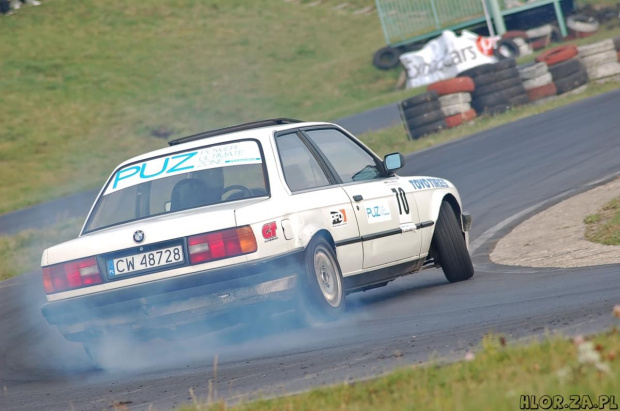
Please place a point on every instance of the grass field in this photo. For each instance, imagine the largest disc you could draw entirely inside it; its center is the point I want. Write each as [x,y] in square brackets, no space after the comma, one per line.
[604,226]
[493,378]
[86,84]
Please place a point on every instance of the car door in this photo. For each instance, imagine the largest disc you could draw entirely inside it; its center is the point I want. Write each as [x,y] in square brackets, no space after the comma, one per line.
[317,197]
[386,213]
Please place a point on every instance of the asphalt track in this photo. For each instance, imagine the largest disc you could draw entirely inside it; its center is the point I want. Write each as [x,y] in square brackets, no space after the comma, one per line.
[510,170]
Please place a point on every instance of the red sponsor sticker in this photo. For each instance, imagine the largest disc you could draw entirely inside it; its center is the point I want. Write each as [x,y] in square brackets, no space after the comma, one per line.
[339,217]
[269,230]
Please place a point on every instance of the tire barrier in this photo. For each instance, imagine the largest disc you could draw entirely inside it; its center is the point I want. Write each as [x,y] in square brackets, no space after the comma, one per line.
[557,55]
[539,93]
[580,23]
[422,115]
[494,88]
[537,81]
[600,59]
[452,86]
[458,119]
[386,58]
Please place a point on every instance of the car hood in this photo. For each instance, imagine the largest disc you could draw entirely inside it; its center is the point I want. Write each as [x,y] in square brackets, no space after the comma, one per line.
[156,229]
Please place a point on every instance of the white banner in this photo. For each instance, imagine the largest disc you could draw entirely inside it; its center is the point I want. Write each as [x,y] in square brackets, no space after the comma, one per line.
[446,56]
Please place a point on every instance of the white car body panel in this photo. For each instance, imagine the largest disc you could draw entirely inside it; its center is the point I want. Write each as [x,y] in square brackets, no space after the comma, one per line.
[381,230]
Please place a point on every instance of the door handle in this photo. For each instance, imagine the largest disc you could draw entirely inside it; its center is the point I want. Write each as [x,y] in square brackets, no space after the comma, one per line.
[358,197]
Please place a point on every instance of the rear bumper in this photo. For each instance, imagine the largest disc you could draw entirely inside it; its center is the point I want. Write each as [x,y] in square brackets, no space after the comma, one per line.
[174,302]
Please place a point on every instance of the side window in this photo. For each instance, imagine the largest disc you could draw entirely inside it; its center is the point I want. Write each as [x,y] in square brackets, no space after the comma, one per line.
[301,170]
[351,162]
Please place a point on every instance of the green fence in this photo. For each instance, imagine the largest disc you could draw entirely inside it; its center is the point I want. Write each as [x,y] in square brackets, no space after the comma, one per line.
[405,21]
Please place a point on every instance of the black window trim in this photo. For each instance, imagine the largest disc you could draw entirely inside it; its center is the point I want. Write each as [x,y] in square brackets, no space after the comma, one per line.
[116,170]
[331,178]
[353,139]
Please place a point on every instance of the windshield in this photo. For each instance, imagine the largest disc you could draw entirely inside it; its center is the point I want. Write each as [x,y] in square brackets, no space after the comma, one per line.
[180,181]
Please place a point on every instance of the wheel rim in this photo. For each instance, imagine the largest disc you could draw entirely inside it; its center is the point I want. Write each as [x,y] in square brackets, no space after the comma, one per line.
[328,277]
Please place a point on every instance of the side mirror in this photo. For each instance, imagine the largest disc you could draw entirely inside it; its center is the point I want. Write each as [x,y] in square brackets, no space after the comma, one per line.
[393,162]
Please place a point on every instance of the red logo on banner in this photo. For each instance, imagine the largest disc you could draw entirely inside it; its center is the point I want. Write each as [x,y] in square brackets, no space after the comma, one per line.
[485,45]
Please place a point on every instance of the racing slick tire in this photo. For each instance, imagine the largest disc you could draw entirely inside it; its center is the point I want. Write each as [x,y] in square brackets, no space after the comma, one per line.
[449,245]
[321,288]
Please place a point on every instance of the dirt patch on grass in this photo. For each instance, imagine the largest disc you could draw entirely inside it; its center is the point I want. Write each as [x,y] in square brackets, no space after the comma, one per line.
[556,236]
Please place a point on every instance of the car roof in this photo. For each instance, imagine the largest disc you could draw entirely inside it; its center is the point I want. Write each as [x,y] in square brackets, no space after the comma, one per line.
[261,133]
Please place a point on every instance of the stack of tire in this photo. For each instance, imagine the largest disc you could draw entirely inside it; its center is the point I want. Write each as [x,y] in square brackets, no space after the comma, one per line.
[520,38]
[565,69]
[569,75]
[600,60]
[454,99]
[422,114]
[581,26]
[537,81]
[498,87]
[543,36]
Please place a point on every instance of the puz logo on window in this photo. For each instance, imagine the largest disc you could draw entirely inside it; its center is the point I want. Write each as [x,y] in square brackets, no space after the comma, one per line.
[339,218]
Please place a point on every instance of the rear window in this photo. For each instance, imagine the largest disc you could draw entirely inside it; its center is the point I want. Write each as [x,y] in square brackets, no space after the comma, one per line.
[200,177]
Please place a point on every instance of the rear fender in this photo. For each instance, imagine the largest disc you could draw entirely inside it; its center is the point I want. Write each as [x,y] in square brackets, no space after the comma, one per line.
[310,231]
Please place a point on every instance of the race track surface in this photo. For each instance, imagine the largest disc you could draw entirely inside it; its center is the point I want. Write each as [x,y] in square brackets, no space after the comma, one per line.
[505,172]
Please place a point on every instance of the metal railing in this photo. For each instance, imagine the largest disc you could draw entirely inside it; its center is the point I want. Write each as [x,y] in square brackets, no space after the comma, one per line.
[410,20]
[405,19]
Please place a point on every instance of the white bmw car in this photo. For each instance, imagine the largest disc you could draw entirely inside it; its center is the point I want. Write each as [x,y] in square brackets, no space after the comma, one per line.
[276,211]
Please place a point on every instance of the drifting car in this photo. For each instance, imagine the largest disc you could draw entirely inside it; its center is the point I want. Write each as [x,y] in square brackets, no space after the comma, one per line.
[282,212]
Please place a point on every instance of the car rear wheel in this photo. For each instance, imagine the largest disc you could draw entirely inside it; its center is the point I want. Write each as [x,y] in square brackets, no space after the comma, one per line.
[449,245]
[321,286]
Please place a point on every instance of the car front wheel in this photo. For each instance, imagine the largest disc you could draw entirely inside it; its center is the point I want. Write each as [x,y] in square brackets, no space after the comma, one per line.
[321,286]
[449,245]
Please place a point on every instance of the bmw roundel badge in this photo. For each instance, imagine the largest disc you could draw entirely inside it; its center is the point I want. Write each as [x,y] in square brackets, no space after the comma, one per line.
[138,236]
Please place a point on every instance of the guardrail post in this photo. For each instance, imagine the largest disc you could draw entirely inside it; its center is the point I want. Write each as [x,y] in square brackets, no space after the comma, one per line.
[382,20]
[560,16]
[498,19]
[435,14]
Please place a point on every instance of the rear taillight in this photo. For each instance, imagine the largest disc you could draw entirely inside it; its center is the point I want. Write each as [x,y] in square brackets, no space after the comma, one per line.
[74,274]
[221,244]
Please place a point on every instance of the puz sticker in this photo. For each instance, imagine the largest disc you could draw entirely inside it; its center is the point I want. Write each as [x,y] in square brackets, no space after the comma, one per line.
[339,218]
[378,212]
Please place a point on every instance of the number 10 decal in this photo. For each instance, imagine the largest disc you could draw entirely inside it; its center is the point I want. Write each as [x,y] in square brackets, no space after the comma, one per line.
[401,198]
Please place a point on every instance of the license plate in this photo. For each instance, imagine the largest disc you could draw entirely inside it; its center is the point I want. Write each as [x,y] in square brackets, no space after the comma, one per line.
[145,261]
